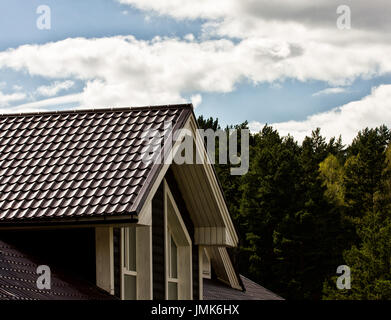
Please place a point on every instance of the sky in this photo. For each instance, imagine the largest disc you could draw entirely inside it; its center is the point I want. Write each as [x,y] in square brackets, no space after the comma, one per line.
[296,65]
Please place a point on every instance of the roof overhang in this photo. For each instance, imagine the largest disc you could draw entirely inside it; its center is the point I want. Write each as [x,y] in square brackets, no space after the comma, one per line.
[223,267]
[72,222]
[202,193]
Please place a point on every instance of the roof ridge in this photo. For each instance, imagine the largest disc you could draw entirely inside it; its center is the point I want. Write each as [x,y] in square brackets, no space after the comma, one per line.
[98,110]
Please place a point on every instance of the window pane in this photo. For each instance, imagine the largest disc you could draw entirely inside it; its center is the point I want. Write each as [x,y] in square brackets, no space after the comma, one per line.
[125,247]
[174,260]
[172,291]
[132,249]
[130,287]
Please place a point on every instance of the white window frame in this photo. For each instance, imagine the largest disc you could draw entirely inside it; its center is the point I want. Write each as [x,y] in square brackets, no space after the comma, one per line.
[169,262]
[170,279]
[175,226]
[143,272]
[124,252]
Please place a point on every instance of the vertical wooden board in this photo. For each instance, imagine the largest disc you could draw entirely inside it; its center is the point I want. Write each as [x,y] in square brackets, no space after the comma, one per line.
[104,259]
[144,263]
[117,261]
[158,248]
[196,272]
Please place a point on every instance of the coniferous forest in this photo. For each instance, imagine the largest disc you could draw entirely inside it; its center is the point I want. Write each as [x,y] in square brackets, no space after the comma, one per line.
[304,209]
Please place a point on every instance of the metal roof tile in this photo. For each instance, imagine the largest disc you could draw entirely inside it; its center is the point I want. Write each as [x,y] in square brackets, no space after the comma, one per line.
[77,163]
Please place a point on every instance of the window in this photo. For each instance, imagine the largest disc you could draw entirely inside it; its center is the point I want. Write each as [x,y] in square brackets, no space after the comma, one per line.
[136,263]
[179,285]
[172,267]
[129,269]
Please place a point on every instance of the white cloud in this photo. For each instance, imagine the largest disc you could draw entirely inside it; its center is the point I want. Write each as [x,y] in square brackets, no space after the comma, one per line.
[274,40]
[329,91]
[307,12]
[41,104]
[164,70]
[137,72]
[371,111]
[184,9]
[6,99]
[189,37]
[23,109]
[54,88]
[196,100]
[297,39]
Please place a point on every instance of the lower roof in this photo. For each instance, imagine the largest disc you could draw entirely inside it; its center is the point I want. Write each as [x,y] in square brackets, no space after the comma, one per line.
[18,282]
[18,278]
[216,290]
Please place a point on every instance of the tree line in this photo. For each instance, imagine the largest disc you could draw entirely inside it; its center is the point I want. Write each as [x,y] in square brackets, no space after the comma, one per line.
[304,209]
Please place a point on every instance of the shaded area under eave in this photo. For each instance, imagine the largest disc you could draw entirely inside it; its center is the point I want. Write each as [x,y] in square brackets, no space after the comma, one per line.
[18,279]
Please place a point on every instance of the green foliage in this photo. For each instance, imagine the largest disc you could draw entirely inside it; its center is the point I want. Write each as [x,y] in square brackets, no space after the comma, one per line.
[364,169]
[303,210]
[370,262]
[367,182]
[331,174]
[209,123]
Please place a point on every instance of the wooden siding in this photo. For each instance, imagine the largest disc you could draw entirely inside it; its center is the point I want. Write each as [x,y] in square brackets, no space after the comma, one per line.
[173,185]
[117,262]
[196,274]
[158,255]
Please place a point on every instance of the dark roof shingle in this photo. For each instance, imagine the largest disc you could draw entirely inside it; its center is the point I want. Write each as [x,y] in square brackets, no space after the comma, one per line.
[18,280]
[77,163]
[216,290]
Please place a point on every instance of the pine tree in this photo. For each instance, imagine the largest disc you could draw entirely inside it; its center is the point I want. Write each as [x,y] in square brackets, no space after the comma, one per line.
[307,241]
[303,210]
[367,195]
[269,195]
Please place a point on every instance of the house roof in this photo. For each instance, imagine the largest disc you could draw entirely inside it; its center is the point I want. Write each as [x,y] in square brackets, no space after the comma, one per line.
[78,164]
[18,279]
[216,290]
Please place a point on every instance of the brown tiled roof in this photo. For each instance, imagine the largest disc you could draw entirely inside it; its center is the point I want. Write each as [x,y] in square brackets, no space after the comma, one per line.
[216,290]
[18,280]
[78,164]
